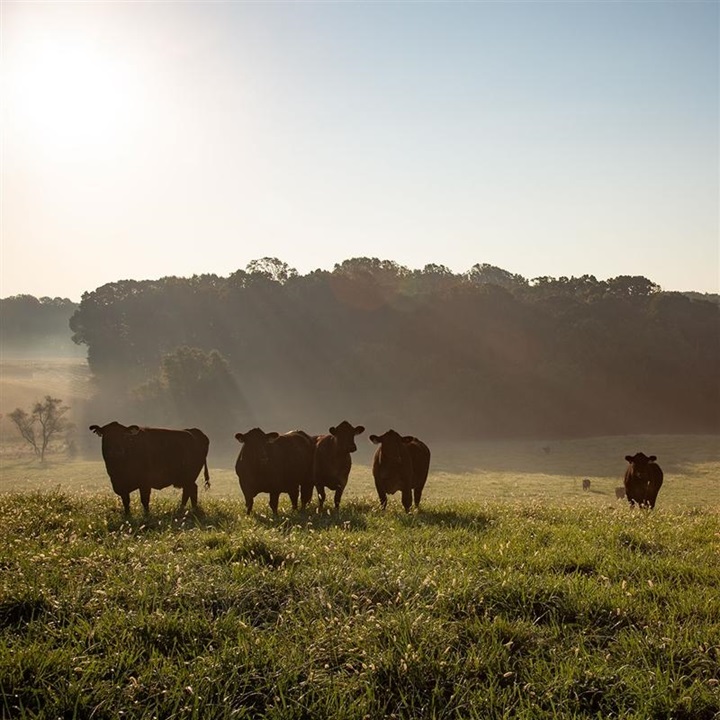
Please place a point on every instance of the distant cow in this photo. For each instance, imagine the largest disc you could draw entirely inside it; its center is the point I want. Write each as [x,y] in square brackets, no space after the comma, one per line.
[145,459]
[400,463]
[620,492]
[332,462]
[586,484]
[643,479]
[273,463]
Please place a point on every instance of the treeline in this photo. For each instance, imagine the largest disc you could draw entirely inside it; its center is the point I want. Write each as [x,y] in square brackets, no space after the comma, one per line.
[35,327]
[485,353]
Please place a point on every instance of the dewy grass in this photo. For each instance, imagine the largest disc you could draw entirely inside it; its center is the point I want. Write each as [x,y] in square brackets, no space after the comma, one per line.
[463,610]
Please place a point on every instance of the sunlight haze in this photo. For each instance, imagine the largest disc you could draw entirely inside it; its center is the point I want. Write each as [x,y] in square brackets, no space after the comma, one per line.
[142,140]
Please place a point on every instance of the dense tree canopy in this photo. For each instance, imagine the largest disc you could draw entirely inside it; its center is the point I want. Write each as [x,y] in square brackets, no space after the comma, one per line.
[484,353]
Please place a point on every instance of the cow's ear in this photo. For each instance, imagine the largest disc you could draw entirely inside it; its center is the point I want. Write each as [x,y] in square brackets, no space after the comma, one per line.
[359,430]
[96,429]
[652,458]
[272,435]
[133,429]
[629,458]
[374,439]
[332,430]
[240,437]
[408,439]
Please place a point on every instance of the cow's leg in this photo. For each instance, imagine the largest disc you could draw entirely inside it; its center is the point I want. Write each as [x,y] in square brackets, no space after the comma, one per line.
[338,497]
[125,497]
[383,499]
[407,499]
[294,493]
[274,500]
[417,494]
[248,503]
[190,493]
[145,499]
[306,492]
[321,495]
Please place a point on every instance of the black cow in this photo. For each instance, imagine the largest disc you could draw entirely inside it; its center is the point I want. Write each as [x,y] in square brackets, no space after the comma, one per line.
[273,463]
[332,462]
[643,479]
[400,463]
[146,458]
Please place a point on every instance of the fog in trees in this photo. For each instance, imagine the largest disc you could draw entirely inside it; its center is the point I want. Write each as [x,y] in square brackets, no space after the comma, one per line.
[474,355]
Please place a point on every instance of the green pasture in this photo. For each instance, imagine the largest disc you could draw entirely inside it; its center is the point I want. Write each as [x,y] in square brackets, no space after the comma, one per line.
[467,610]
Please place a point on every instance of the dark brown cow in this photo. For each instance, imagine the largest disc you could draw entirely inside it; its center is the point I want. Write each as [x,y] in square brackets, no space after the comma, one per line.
[273,463]
[145,459]
[586,484]
[643,479]
[620,492]
[332,463]
[400,463]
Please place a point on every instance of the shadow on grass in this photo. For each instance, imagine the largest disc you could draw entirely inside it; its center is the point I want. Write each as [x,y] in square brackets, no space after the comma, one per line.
[446,518]
[351,516]
[203,518]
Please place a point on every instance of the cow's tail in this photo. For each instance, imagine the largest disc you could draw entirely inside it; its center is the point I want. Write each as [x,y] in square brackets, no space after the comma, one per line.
[207,476]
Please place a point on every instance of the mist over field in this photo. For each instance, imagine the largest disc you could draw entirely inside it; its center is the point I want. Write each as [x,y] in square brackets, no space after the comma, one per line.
[497,373]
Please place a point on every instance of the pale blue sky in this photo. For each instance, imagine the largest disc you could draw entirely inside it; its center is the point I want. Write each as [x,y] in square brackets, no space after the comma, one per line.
[548,138]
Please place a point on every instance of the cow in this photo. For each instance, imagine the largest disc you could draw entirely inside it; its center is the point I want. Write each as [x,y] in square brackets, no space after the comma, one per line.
[643,479]
[586,484]
[400,463]
[620,492]
[332,462]
[274,463]
[148,458]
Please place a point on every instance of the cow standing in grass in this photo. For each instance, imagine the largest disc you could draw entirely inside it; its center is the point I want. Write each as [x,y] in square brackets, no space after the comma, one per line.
[274,464]
[643,479]
[145,459]
[332,461]
[400,463]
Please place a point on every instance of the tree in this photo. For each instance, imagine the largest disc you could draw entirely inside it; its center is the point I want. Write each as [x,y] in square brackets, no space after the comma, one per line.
[193,387]
[271,269]
[41,424]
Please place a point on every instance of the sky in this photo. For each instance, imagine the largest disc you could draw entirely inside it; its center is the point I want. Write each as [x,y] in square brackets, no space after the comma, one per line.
[147,139]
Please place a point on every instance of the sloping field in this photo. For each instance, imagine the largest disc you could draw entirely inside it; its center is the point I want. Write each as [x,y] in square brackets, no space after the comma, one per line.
[23,382]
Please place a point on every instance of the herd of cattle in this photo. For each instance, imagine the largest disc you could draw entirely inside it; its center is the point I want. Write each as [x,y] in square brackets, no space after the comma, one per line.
[296,463]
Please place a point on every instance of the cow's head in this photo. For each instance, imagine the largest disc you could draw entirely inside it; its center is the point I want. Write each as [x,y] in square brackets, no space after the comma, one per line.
[344,435]
[393,445]
[117,439]
[255,444]
[639,463]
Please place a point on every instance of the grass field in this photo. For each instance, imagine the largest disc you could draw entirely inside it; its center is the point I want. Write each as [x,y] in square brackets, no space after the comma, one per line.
[465,610]
[511,594]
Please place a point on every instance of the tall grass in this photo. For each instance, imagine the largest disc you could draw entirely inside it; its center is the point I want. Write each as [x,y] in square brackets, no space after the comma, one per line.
[517,609]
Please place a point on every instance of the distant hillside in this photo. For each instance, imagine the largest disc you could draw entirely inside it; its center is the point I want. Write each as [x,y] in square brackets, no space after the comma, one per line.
[33,327]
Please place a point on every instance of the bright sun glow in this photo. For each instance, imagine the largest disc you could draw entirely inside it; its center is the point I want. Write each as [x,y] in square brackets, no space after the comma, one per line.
[64,93]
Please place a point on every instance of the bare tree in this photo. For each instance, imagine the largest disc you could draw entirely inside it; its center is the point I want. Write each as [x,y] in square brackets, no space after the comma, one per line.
[41,424]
